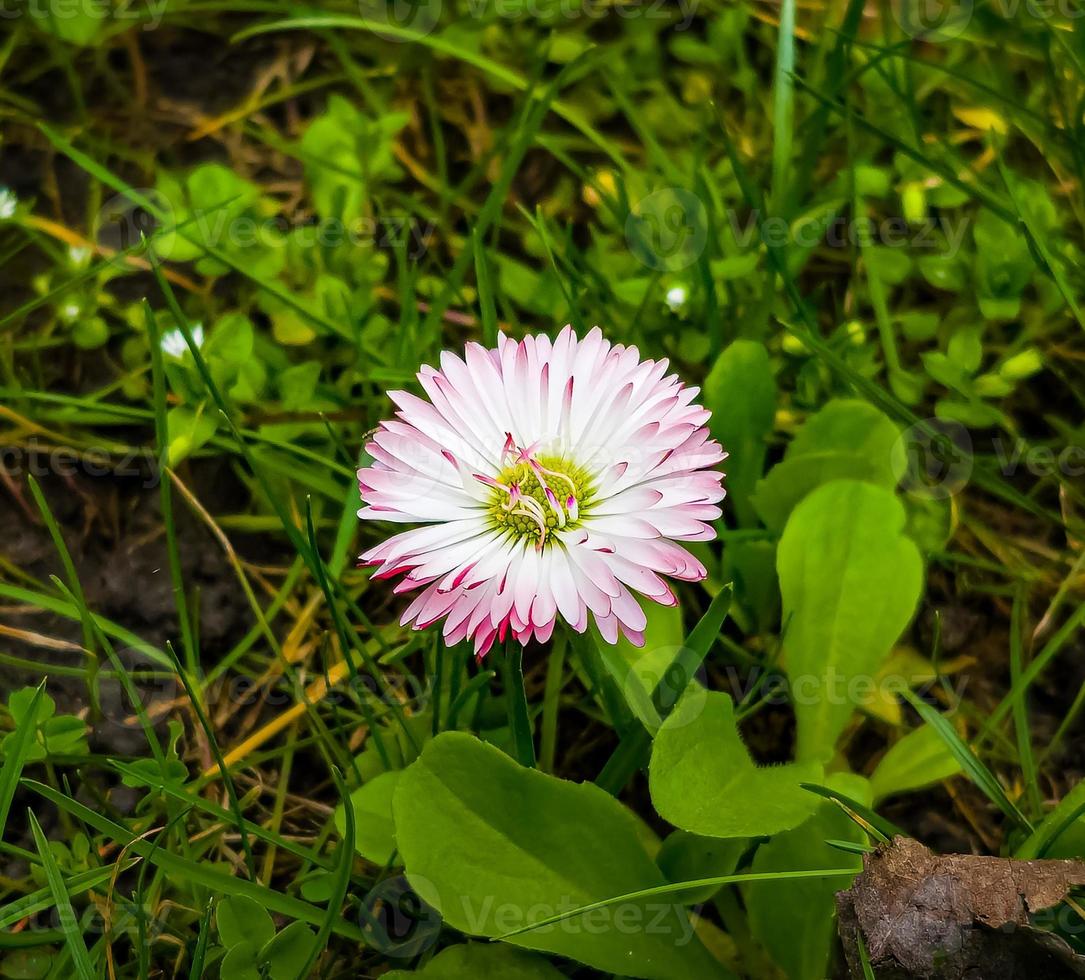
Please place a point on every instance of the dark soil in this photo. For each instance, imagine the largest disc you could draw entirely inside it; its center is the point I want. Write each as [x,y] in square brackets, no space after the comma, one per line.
[114,531]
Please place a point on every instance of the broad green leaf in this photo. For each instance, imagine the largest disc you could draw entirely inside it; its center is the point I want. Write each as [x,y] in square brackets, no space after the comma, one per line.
[290,328]
[32,710]
[344,150]
[919,759]
[188,431]
[482,961]
[944,271]
[904,667]
[27,964]
[703,780]
[242,919]
[1022,365]
[21,702]
[858,427]
[229,347]
[679,677]
[740,391]
[79,24]
[790,480]
[794,921]
[848,439]
[687,857]
[374,831]
[19,744]
[751,565]
[90,333]
[683,888]
[965,346]
[493,846]
[1002,268]
[64,735]
[534,289]
[297,385]
[241,962]
[287,953]
[850,580]
[931,521]
[735,266]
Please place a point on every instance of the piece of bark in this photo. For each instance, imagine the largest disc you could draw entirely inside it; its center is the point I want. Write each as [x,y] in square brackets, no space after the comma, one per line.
[958,917]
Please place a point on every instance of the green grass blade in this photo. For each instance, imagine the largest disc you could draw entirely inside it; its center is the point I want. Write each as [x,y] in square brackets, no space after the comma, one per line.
[349,640]
[301,545]
[78,884]
[864,958]
[193,692]
[636,742]
[70,610]
[216,881]
[551,709]
[512,676]
[851,846]
[165,490]
[523,129]
[470,690]
[815,126]
[484,285]
[783,106]
[1048,263]
[69,922]
[971,764]
[184,794]
[344,862]
[444,45]
[123,676]
[199,954]
[878,827]
[672,685]
[868,388]
[1025,752]
[1036,667]
[678,888]
[72,576]
[974,190]
[108,178]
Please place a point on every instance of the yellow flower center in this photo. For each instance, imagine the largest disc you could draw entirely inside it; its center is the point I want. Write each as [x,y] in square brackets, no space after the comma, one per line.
[539,495]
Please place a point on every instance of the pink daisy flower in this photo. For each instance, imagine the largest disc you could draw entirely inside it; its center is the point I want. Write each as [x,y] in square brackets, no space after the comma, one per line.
[550,478]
